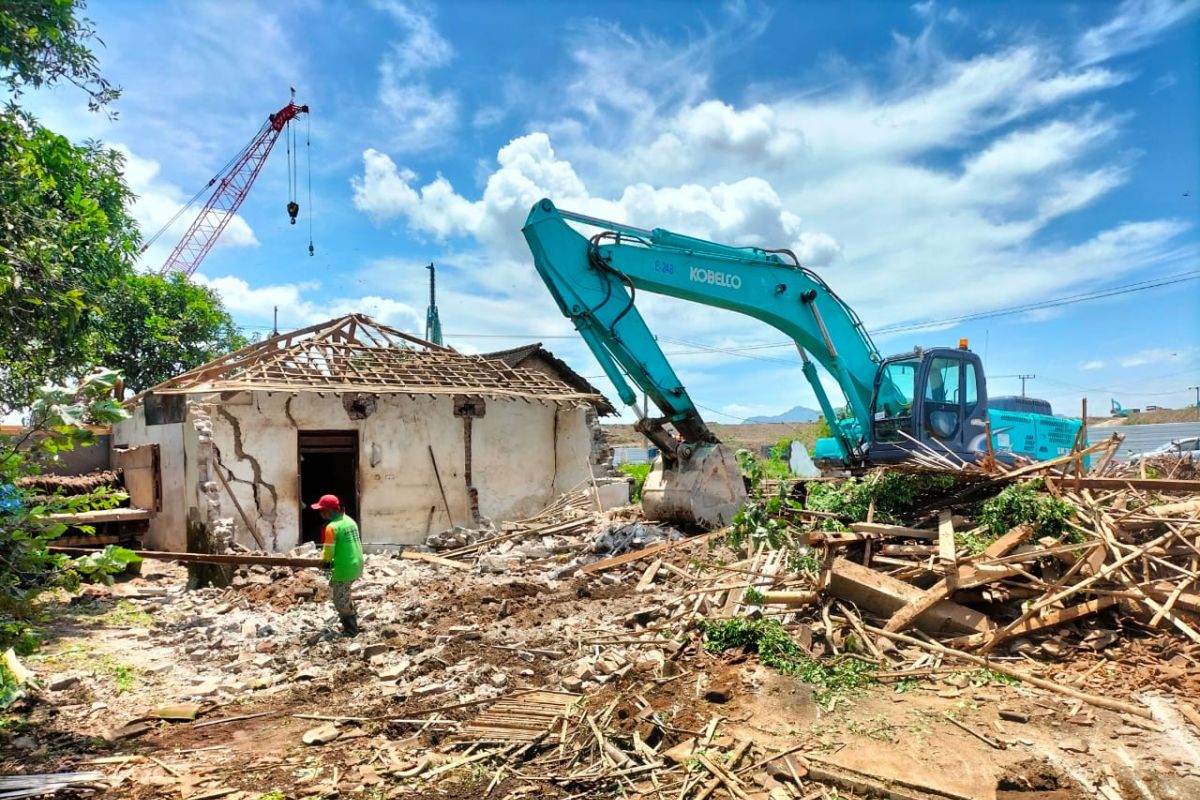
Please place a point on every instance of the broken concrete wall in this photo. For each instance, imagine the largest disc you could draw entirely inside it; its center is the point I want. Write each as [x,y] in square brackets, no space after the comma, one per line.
[523,455]
[177,451]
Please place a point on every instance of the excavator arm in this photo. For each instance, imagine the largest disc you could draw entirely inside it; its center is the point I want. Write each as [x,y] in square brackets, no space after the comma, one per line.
[595,281]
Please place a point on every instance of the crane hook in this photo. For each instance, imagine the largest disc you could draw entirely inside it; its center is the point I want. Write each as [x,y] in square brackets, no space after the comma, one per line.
[293,208]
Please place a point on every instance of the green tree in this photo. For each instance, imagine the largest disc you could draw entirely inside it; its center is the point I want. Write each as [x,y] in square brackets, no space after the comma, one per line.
[58,419]
[65,231]
[155,328]
[66,239]
[46,42]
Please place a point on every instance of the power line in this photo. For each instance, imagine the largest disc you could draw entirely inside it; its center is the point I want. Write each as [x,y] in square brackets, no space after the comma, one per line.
[1130,288]
[742,350]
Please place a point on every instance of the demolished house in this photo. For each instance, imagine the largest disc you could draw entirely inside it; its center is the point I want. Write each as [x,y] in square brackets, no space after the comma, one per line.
[414,437]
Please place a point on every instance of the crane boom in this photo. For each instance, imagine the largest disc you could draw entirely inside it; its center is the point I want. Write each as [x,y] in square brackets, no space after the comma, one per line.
[232,185]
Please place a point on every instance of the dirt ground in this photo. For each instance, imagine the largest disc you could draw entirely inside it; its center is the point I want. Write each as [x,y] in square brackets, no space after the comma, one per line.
[259,656]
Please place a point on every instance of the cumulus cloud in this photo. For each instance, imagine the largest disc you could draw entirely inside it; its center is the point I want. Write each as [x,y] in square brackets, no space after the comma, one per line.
[747,212]
[247,302]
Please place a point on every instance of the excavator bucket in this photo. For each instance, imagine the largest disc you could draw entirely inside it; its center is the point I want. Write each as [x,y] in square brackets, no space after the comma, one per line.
[706,489]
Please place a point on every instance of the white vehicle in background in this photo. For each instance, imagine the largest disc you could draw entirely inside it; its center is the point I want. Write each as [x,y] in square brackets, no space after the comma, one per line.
[1188,449]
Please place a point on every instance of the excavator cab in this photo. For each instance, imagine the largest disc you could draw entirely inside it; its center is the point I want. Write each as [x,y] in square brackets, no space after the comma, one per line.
[937,397]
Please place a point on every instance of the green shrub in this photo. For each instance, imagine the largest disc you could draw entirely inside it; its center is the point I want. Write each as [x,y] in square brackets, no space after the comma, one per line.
[1025,504]
[775,649]
[895,494]
[638,472]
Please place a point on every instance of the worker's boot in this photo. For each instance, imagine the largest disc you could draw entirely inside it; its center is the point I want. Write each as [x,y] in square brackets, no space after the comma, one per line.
[350,624]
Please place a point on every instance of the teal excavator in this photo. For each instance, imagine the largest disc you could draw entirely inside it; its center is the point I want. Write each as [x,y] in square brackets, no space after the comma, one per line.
[932,398]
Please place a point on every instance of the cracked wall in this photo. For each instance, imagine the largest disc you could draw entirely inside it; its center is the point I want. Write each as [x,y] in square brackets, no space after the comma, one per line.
[523,455]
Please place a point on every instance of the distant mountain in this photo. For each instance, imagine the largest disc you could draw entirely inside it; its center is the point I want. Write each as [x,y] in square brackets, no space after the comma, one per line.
[797,414]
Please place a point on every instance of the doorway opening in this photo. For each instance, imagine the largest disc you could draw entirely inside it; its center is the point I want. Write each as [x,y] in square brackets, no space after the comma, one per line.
[328,465]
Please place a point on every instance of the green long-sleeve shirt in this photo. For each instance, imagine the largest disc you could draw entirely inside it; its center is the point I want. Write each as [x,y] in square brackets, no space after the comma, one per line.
[343,547]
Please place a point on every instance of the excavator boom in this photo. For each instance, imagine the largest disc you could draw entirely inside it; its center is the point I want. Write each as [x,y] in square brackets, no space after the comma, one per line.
[934,399]
[595,281]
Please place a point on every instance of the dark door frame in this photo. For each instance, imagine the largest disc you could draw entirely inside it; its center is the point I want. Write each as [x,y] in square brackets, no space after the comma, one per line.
[353,448]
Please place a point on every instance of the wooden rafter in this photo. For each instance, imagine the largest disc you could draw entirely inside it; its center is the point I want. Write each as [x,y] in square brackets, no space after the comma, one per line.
[355,353]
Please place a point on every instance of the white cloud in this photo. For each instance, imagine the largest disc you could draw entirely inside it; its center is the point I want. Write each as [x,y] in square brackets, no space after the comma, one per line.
[1155,355]
[924,195]
[418,116]
[299,305]
[1096,364]
[748,211]
[1136,25]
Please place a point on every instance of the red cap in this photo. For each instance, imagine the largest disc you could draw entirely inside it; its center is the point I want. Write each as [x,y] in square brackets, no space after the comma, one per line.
[327,503]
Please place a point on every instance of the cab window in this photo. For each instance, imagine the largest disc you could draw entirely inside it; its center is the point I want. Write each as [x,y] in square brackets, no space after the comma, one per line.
[971,386]
[894,400]
[942,384]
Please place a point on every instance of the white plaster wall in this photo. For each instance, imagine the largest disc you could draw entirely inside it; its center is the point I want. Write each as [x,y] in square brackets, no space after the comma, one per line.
[526,454]
[168,529]
[522,457]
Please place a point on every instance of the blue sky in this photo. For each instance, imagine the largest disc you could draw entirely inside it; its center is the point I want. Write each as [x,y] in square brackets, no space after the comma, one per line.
[929,160]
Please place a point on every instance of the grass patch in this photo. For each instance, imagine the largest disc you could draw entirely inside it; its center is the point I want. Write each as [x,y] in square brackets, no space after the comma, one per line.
[124,677]
[638,472]
[126,615]
[768,638]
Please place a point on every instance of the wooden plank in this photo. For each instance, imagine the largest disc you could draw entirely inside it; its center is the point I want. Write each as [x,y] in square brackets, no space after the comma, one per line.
[648,576]
[209,558]
[413,555]
[102,515]
[782,598]
[965,578]
[884,595]
[645,552]
[250,528]
[895,531]
[1034,624]
[918,550]
[946,550]
[1150,484]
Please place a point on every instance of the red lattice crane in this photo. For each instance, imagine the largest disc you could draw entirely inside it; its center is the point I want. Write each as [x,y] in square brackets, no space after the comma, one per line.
[232,184]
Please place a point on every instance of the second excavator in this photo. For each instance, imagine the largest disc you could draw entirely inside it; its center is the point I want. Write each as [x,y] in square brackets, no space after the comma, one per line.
[933,398]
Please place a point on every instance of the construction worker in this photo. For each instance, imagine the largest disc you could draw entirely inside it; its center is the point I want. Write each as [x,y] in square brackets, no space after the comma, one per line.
[342,552]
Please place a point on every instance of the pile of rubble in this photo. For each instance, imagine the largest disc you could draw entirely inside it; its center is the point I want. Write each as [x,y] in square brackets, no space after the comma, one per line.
[560,539]
[580,652]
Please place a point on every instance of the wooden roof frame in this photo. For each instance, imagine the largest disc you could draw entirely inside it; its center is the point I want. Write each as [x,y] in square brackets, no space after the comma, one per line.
[355,353]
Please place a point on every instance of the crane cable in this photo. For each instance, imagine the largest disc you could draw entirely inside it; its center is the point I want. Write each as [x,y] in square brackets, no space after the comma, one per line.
[308,155]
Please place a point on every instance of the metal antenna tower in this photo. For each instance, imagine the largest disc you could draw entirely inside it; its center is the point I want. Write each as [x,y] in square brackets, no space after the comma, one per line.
[433,325]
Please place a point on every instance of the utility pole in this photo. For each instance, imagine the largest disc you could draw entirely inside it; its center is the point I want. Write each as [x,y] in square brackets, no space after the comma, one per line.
[433,325]
[1197,390]
[1023,379]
